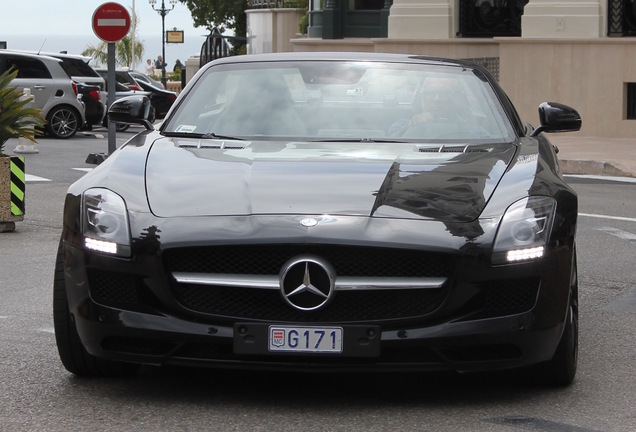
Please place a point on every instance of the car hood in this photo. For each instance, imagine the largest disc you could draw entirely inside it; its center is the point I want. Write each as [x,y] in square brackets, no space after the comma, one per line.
[211,177]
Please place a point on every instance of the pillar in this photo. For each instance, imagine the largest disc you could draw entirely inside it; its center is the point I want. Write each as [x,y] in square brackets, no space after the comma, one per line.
[573,19]
[421,19]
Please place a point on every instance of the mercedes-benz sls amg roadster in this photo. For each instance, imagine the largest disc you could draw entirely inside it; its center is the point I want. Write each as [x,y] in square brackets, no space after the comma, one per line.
[325,212]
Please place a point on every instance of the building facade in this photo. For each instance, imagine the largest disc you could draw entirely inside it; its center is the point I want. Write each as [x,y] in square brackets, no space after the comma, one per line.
[578,52]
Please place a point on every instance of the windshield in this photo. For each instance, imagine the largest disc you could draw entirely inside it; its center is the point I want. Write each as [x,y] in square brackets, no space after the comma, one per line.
[326,100]
[77,67]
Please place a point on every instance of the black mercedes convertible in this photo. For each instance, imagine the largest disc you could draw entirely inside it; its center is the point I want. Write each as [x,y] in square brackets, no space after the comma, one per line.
[325,212]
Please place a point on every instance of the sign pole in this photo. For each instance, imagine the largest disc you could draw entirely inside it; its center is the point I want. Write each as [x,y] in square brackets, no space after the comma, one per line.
[111,23]
[111,96]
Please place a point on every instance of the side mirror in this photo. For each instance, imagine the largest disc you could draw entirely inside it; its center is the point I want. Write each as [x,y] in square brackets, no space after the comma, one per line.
[132,110]
[556,117]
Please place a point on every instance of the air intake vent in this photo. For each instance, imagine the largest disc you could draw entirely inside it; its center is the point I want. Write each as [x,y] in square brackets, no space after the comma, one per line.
[211,145]
[454,149]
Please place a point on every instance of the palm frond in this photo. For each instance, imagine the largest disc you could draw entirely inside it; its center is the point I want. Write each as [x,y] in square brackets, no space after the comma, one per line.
[17,117]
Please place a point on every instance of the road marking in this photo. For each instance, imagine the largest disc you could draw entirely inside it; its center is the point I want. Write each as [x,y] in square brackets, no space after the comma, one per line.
[624,235]
[32,178]
[47,330]
[93,134]
[608,217]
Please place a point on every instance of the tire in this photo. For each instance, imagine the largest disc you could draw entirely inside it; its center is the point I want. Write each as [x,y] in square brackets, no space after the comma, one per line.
[561,369]
[72,353]
[63,122]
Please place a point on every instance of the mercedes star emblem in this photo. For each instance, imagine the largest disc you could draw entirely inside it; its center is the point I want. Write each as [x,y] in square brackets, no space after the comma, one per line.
[307,282]
[309,222]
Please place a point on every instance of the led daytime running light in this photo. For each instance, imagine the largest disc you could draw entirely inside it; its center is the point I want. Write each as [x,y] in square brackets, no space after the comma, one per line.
[100,246]
[525,254]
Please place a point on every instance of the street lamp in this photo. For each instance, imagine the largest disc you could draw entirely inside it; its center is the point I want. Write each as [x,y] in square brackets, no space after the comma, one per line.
[163,12]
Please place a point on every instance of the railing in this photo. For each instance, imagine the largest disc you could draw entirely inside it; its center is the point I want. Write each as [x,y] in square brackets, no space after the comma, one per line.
[268,4]
[621,18]
[490,18]
[217,45]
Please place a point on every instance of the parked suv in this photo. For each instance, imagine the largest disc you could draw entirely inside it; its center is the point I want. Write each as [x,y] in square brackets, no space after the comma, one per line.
[53,90]
[81,72]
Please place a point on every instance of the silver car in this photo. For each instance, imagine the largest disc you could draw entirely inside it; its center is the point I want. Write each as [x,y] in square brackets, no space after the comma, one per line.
[53,90]
[80,70]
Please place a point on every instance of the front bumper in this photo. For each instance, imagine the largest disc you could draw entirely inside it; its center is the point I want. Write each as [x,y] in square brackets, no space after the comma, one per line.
[155,328]
[489,344]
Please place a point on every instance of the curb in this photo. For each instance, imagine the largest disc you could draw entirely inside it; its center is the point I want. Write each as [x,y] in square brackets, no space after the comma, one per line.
[594,168]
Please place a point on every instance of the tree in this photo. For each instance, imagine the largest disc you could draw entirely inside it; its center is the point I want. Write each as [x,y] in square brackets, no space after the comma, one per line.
[123,52]
[223,14]
[123,49]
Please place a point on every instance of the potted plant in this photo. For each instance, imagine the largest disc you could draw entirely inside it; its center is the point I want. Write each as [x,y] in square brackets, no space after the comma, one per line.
[17,119]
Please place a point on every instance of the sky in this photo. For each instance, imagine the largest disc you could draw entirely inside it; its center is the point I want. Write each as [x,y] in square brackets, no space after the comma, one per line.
[66,25]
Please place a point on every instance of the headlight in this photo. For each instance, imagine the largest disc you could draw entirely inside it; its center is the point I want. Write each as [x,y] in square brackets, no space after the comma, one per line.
[524,230]
[105,222]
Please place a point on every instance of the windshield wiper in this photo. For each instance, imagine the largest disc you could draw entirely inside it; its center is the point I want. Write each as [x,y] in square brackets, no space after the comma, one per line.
[209,135]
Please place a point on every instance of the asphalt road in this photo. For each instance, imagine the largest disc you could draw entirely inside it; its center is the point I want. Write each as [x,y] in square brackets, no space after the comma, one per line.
[37,394]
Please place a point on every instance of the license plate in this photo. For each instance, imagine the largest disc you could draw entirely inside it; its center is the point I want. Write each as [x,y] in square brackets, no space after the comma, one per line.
[305,339]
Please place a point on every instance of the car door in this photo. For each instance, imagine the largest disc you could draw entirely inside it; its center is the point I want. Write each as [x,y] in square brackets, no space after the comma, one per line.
[32,74]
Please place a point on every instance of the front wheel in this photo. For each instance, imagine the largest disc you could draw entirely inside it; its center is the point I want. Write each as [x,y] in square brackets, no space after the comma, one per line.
[561,369]
[63,122]
[72,353]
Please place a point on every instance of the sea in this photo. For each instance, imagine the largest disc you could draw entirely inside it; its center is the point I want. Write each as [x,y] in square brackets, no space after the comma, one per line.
[76,44]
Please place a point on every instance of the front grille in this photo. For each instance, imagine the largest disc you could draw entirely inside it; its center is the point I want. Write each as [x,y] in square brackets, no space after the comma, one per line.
[346,306]
[347,260]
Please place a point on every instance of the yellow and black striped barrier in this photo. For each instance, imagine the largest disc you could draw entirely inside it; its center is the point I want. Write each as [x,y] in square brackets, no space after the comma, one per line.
[17,186]
[12,190]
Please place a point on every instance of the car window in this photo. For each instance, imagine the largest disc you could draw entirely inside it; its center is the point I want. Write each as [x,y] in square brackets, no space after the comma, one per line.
[125,78]
[327,100]
[122,77]
[77,67]
[28,68]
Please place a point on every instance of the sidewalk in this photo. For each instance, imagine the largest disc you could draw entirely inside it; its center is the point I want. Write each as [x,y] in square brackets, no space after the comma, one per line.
[595,155]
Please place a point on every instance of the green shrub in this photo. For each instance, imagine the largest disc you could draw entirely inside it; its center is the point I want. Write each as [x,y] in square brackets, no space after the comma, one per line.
[303,23]
[17,119]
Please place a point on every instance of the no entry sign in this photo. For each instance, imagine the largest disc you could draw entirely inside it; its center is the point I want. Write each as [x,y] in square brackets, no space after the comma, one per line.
[111,22]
